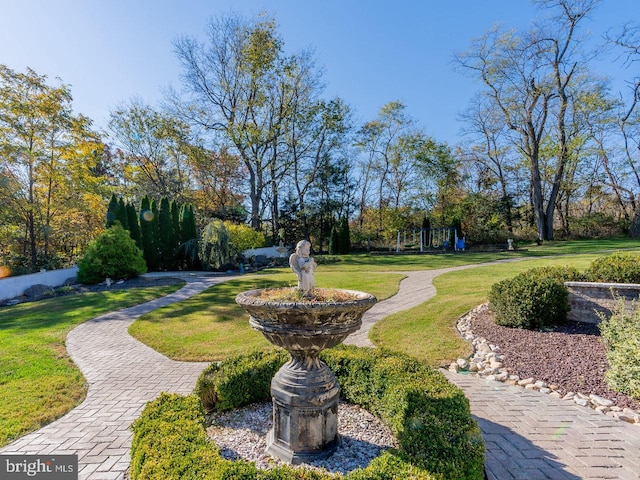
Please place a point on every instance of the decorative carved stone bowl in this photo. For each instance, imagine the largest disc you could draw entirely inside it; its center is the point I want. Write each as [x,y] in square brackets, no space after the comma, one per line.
[305,392]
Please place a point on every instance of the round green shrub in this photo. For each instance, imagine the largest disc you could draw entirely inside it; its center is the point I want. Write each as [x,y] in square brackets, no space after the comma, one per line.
[114,255]
[619,267]
[531,300]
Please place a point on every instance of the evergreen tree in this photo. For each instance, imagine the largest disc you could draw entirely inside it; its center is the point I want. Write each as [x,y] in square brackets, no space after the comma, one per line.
[426,226]
[175,227]
[334,241]
[344,237]
[112,211]
[121,214]
[155,233]
[134,226]
[188,238]
[165,235]
[457,224]
[147,233]
[114,255]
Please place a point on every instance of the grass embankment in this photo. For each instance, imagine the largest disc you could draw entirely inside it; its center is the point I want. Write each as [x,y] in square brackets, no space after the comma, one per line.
[38,380]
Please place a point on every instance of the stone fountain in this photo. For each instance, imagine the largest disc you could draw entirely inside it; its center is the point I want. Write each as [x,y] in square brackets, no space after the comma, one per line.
[305,392]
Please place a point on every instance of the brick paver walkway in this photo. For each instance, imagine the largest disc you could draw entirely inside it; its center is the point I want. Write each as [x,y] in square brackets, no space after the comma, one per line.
[528,435]
[123,374]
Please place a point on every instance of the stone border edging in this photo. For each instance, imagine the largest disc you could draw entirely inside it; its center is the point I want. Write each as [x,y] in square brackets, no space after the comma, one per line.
[486,363]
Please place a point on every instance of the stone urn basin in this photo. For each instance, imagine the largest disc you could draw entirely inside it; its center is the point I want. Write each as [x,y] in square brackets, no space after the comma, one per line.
[305,391]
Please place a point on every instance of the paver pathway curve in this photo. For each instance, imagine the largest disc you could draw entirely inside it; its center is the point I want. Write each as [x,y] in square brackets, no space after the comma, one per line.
[528,435]
[123,375]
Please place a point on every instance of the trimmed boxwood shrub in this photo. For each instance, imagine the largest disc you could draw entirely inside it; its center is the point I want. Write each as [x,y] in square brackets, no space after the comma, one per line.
[239,381]
[559,273]
[533,299]
[430,417]
[619,267]
[621,333]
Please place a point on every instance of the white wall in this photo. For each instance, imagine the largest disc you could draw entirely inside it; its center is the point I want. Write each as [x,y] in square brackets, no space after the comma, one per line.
[269,252]
[11,287]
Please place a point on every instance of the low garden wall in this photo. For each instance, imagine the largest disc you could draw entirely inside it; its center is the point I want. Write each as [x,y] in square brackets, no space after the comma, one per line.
[587,299]
[11,287]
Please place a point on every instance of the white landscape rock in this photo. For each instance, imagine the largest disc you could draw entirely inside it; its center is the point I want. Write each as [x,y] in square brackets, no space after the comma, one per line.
[462,363]
[600,401]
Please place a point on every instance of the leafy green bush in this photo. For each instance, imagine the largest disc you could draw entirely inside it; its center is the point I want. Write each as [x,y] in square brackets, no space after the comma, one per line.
[113,254]
[619,267]
[533,299]
[429,416]
[559,273]
[170,443]
[239,381]
[621,333]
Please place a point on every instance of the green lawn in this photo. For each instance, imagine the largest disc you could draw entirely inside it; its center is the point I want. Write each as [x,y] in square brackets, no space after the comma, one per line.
[428,331]
[38,380]
[39,383]
[210,326]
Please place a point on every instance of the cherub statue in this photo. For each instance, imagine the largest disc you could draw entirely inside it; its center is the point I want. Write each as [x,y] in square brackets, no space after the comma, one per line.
[303,266]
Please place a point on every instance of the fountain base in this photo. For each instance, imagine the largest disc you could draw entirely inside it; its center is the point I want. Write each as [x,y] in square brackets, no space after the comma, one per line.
[305,397]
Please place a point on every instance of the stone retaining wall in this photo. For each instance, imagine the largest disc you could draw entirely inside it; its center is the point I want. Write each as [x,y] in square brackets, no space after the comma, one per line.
[586,299]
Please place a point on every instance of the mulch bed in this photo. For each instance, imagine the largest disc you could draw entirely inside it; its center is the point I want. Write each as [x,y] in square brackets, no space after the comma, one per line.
[572,356]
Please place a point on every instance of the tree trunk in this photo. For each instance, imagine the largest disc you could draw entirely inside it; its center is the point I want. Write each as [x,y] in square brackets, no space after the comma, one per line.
[634,229]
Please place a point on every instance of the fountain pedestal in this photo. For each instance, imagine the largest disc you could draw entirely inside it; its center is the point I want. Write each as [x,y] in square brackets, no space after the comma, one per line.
[305,412]
[305,392]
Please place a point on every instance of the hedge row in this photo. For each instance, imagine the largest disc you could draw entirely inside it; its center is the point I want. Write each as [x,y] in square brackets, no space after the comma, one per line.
[430,417]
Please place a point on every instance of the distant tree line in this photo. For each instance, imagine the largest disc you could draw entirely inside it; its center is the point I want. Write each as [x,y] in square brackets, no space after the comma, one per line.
[550,150]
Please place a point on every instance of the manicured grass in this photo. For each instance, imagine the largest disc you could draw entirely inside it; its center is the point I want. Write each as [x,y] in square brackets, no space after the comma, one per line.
[211,327]
[38,380]
[428,331]
[39,383]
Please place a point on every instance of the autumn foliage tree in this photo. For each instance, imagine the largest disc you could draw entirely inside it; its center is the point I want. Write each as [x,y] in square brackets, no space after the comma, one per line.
[48,159]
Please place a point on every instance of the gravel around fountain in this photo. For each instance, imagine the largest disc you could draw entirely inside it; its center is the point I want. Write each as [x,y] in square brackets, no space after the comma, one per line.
[241,434]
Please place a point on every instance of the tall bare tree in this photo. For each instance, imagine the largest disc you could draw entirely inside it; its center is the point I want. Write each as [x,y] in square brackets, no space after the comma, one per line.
[530,76]
[241,86]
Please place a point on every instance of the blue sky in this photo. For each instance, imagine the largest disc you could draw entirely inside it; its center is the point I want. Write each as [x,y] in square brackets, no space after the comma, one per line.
[373,52]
